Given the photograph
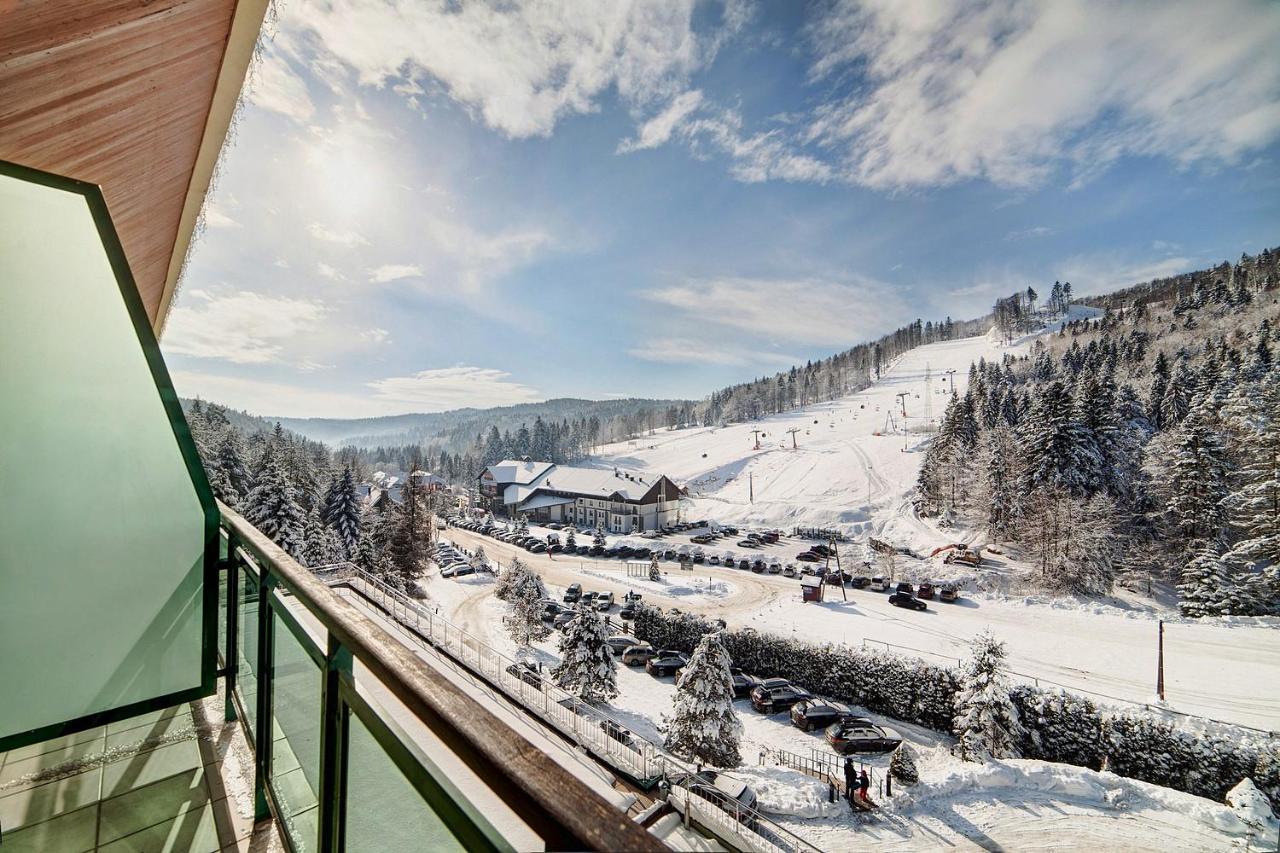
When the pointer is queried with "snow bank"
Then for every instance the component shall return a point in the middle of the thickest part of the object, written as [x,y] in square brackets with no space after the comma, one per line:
[1040,780]
[1252,806]
[789,792]
[671,585]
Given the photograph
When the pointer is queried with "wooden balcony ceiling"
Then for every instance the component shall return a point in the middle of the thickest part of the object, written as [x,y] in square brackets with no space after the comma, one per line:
[135,96]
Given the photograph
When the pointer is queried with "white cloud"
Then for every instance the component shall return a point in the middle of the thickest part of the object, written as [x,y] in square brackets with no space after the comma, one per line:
[243,327]
[375,336]
[521,67]
[699,350]
[1029,233]
[1101,273]
[345,238]
[215,218]
[453,388]
[657,130]
[807,311]
[277,87]
[1009,90]
[268,398]
[328,271]
[392,272]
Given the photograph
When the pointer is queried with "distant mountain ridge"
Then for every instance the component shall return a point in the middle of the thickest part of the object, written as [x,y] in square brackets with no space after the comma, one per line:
[456,427]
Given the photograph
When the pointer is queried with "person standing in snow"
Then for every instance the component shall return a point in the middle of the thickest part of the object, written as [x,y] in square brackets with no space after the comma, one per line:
[850,780]
[864,783]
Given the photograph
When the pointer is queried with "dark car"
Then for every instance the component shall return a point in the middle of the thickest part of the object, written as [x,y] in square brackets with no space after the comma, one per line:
[628,611]
[670,554]
[550,611]
[526,672]
[758,567]
[906,588]
[813,714]
[822,551]
[625,551]
[665,662]
[729,562]
[771,701]
[583,550]
[596,550]
[642,553]
[925,591]
[743,684]
[859,735]
[860,582]
[555,548]
[810,557]
[901,599]
[573,593]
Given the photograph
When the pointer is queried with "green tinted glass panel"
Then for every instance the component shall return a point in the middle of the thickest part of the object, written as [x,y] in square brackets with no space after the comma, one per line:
[385,812]
[102,529]
[247,644]
[295,757]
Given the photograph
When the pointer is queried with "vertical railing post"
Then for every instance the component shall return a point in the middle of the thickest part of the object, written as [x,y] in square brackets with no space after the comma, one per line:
[334,724]
[264,730]
[233,625]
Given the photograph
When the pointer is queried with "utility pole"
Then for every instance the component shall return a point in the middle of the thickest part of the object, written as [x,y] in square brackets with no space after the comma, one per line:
[928,396]
[1160,664]
[793,432]
[902,398]
[751,486]
[951,375]
[755,433]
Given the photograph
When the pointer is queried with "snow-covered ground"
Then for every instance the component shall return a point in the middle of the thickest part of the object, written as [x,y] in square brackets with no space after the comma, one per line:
[1006,805]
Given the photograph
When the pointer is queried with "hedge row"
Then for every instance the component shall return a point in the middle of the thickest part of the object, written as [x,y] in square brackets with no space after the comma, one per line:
[1061,727]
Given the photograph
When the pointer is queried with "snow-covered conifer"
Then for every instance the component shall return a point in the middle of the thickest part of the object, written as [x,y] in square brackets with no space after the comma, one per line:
[341,510]
[703,726]
[1205,584]
[570,539]
[598,538]
[902,765]
[523,618]
[273,508]
[587,668]
[654,574]
[986,722]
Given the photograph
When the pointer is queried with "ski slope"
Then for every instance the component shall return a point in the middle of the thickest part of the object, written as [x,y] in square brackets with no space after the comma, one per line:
[854,460]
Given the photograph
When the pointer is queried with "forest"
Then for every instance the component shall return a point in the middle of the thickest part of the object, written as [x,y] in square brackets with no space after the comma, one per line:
[1141,443]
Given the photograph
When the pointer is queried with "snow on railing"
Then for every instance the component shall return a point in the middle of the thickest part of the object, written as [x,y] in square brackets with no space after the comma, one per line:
[586,726]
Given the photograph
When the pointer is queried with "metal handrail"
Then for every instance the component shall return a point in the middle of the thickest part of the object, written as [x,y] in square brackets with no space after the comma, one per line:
[638,759]
[556,804]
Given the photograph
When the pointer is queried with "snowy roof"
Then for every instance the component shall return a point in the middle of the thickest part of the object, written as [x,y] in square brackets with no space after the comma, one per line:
[539,501]
[521,471]
[601,482]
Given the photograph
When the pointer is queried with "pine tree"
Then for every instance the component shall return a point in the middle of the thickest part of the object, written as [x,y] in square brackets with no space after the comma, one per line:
[570,539]
[986,723]
[1198,481]
[319,545]
[902,765]
[599,539]
[1000,477]
[341,511]
[523,618]
[229,477]
[1204,585]
[411,530]
[703,726]
[1254,502]
[654,574]
[587,668]
[273,508]
[1059,451]
[366,554]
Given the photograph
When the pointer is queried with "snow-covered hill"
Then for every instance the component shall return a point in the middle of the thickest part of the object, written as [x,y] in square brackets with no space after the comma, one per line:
[854,459]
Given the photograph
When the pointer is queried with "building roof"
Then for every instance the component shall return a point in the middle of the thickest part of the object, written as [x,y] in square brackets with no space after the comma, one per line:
[520,471]
[135,97]
[601,482]
[544,500]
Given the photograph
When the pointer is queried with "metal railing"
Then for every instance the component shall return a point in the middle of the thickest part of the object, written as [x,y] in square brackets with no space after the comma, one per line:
[555,804]
[586,726]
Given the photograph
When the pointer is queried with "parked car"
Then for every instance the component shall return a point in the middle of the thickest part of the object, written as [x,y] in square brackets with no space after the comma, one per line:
[860,735]
[757,566]
[619,643]
[584,550]
[713,560]
[811,714]
[588,599]
[774,569]
[596,550]
[880,584]
[628,611]
[638,654]
[925,591]
[743,683]
[823,551]
[555,525]
[949,592]
[860,581]
[731,795]
[665,662]
[526,672]
[573,593]
[729,562]
[604,601]
[748,543]
[906,588]
[563,619]
[771,701]
[550,610]
[901,599]
[789,570]
[810,557]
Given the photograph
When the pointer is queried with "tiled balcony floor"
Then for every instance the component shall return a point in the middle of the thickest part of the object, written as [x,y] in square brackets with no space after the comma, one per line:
[173,780]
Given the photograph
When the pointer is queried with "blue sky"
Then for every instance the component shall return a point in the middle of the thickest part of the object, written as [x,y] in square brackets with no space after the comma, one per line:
[432,205]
